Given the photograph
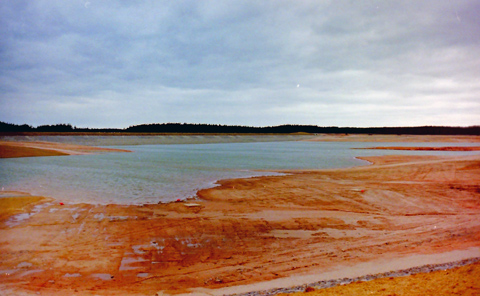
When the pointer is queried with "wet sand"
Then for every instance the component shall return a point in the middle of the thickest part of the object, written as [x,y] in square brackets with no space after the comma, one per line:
[268,230]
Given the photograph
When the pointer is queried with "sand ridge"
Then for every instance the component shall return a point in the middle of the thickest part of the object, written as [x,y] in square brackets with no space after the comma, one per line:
[13,149]
[395,138]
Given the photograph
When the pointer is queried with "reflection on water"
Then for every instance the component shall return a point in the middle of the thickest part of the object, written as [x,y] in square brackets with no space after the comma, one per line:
[163,173]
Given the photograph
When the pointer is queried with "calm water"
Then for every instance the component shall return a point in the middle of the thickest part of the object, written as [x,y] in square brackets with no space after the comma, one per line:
[154,173]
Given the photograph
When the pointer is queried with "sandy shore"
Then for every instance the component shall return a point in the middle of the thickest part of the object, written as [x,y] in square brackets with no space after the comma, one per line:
[11,149]
[448,148]
[395,138]
[269,230]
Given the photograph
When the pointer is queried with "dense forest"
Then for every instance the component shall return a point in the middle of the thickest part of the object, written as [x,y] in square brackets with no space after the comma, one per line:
[162,128]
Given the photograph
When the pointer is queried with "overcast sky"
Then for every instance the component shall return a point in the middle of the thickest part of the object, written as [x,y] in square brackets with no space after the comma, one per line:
[101,63]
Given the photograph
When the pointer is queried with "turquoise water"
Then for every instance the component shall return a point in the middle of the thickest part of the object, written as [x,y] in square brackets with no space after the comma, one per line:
[164,173]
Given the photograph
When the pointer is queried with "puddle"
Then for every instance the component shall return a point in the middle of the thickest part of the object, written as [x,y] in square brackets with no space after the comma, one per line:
[117,218]
[99,217]
[102,276]
[139,249]
[25,273]
[143,274]
[72,275]
[127,261]
[19,218]
[38,208]
[24,265]
[70,209]
[75,216]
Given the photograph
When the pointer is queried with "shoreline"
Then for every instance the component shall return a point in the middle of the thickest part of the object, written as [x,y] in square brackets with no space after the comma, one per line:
[313,137]
[408,206]
[396,138]
[450,148]
[16,149]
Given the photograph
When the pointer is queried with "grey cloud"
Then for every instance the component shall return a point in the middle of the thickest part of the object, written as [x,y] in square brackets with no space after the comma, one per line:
[239,62]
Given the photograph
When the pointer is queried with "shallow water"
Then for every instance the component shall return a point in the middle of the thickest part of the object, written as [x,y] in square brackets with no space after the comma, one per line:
[164,173]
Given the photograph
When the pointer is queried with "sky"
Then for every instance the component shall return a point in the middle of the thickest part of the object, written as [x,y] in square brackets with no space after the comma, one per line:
[113,64]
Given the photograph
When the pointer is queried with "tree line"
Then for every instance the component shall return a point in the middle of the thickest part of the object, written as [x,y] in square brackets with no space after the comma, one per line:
[191,128]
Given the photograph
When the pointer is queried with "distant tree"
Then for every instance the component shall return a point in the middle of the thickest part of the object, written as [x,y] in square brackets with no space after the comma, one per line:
[9,127]
[55,128]
[216,128]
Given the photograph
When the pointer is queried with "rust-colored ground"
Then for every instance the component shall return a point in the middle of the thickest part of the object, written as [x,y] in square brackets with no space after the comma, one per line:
[245,231]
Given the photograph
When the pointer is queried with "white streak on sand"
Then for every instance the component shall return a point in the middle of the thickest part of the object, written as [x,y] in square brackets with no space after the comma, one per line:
[346,271]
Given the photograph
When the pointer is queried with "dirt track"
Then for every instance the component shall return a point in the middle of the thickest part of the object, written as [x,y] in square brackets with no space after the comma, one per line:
[246,231]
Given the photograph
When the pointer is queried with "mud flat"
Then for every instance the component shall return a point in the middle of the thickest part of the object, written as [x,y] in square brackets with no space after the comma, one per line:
[266,230]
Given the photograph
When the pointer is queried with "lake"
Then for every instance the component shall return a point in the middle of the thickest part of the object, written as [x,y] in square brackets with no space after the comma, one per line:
[167,172]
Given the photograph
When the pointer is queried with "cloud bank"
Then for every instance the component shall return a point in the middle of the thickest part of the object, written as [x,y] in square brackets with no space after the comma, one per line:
[345,63]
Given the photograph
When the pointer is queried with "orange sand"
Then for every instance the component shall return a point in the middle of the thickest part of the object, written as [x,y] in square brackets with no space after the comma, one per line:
[10,149]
